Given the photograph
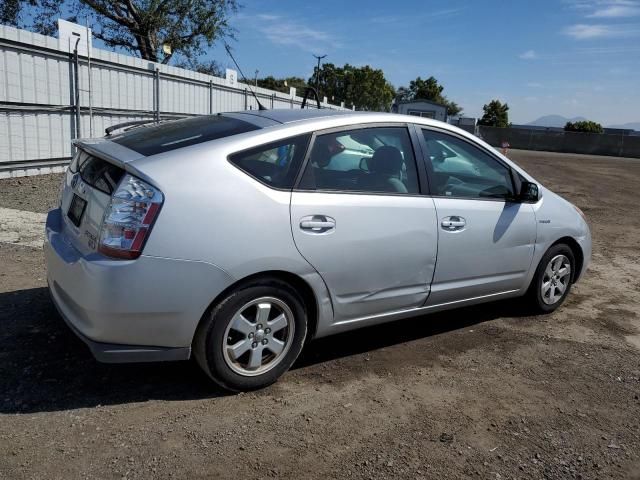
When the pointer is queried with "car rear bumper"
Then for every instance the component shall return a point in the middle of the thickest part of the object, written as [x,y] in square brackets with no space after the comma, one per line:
[117,353]
[129,310]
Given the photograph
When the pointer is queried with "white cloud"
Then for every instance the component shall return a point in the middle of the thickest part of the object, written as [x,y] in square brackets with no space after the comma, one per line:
[434,14]
[583,31]
[268,17]
[618,71]
[293,33]
[282,30]
[617,11]
[528,55]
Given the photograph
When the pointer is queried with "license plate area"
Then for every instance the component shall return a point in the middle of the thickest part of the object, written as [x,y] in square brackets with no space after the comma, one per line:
[76,210]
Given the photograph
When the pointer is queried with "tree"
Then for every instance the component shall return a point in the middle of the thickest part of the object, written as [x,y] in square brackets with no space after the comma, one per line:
[365,88]
[453,108]
[496,114]
[428,89]
[143,27]
[586,126]
[210,67]
[283,84]
[43,20]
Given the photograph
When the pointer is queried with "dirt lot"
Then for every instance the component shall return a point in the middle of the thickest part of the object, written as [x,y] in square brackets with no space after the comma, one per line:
[481,392]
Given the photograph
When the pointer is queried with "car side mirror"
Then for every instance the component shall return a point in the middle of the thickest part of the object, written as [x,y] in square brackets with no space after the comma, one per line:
[529,192]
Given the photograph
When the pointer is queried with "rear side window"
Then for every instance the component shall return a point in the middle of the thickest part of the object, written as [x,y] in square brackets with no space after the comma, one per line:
[150,140]
[371,160]
[275,164]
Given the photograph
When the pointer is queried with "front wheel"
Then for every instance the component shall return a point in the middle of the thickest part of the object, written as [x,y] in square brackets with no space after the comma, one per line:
[252,336]
[553,279]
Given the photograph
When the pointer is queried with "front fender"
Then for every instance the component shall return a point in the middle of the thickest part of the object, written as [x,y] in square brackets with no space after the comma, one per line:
[557,218]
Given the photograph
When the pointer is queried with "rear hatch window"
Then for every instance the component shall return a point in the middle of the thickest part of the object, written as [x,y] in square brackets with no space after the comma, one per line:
[151,140]
[96,172]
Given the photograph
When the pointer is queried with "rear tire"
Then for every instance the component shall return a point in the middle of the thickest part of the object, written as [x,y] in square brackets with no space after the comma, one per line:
[253,336]
[553,279]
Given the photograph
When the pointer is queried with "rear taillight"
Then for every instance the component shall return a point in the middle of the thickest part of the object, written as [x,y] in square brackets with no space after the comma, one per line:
[128,219]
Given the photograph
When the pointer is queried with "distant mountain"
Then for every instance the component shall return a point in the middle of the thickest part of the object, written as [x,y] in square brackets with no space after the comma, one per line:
[554,121]
[631,125]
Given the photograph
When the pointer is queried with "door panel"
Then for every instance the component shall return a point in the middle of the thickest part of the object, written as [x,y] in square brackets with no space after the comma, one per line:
[485,240]
[484,247]
[376,253]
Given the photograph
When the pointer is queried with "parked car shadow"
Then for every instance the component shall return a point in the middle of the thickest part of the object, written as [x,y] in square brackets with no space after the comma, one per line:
[45,367]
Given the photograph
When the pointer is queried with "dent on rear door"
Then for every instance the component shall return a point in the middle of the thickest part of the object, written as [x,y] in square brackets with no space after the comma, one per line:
[378,256]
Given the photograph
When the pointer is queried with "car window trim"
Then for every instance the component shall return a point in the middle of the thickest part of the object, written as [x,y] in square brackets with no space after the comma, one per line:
[260,180]
[424,170]
[422,185]
[429,168]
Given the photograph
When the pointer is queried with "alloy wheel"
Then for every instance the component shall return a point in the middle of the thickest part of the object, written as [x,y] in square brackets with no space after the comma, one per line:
[555,280]
[258,336]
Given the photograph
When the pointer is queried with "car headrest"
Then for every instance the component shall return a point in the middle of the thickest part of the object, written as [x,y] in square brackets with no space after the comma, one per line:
[321,155]
[386,159]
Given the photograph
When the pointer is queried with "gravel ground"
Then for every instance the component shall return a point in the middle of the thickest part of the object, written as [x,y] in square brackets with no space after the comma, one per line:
[482,392]
[34,194]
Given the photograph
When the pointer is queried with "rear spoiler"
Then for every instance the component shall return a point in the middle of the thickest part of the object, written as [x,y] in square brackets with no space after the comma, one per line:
[108,150]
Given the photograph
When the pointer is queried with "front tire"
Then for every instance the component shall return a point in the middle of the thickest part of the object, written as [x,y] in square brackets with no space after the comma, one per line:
[553,279]
[253,336]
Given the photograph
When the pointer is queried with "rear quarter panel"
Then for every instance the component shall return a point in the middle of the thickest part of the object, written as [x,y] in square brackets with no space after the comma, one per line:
[215,213]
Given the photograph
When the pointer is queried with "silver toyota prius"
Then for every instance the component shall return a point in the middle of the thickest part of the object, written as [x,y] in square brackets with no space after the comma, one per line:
[239,236]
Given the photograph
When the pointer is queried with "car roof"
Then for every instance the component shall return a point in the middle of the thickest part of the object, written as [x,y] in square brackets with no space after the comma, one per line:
[287,115]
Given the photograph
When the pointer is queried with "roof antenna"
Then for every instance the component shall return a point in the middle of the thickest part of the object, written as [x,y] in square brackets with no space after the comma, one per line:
[228,49]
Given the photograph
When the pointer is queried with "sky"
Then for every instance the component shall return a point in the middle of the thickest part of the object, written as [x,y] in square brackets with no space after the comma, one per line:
[566,57]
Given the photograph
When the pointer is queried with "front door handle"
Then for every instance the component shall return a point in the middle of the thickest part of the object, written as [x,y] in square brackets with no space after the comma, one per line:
[453,223]
[317,224]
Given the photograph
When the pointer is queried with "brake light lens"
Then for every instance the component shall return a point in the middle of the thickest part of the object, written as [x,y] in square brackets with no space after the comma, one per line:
[129,217]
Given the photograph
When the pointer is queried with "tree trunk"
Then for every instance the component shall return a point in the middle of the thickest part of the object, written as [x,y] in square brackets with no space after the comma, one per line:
[145,48]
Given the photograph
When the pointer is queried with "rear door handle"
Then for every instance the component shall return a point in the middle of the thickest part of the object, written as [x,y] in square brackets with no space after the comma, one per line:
[453,223]
[317,224]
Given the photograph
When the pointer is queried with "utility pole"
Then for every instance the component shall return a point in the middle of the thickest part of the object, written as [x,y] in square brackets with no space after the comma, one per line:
[256,78]
[319,57]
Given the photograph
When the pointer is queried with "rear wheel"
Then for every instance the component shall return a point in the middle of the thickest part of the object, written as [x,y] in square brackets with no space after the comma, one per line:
[252,336]
[553,279]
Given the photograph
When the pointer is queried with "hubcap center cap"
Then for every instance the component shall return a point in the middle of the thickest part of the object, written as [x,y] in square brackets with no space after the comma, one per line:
[259,335]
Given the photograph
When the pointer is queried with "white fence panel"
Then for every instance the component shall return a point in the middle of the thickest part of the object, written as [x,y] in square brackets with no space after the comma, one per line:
[37,96]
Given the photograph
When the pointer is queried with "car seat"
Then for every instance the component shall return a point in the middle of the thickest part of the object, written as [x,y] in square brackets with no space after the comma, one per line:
[385,168]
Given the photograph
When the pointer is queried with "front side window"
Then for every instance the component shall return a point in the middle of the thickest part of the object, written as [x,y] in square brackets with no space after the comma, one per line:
[459,169]
[376,160]
[275,164]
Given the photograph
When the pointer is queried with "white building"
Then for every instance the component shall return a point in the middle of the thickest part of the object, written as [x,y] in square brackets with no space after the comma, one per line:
[421,108]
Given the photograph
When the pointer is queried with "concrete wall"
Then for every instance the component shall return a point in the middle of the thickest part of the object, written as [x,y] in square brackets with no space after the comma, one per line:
[37,100]
[566,142]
